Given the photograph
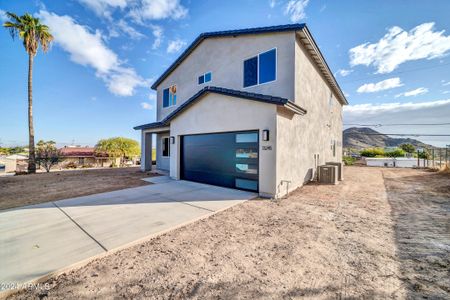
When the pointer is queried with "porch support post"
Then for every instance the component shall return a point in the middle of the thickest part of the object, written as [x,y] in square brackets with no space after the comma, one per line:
[146,151]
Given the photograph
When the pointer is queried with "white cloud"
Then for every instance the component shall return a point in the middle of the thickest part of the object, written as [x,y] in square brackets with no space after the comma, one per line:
[129,30]
[152,96]
[157,32]
[399,46]
[272,3]
[175,46]
[124,81]
[446,92]
[3,16]
[418,91]
[445,83]
[380,86]
[88,49]
[296,9]
[104,8]
[370,108]
[146,106]
[158,10]
[344,72]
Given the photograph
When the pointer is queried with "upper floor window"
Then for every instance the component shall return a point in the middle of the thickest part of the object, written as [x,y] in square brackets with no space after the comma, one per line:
[170,96]
[204,78]
[261,68]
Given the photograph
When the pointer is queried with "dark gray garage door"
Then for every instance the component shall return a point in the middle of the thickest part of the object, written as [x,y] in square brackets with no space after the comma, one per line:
[226,159]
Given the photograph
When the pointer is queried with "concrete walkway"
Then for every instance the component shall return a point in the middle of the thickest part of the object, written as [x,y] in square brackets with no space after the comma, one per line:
[39,239]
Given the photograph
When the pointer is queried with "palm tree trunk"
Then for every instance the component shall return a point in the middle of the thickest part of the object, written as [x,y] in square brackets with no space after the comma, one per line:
[32,154]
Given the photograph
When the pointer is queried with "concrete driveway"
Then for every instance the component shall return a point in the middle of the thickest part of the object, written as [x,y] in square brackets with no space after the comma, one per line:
[39,239]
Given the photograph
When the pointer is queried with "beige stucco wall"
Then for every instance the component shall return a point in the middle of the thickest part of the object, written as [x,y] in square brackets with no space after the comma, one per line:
[10,164]
[218,113]
[224,58]
[299,138]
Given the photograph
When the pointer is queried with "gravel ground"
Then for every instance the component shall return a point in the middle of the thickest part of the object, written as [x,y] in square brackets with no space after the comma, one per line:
[344,241]
[23,190]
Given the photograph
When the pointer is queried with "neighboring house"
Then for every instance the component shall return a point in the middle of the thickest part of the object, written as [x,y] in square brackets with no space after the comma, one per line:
[254,109]
[7,164]
[85,156]
[13,163]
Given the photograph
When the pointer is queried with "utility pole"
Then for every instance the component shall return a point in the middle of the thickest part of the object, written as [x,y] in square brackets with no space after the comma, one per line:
[446,154]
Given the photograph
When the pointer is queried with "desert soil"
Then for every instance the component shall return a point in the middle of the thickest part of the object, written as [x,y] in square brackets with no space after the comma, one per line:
[382,233]
[23,190]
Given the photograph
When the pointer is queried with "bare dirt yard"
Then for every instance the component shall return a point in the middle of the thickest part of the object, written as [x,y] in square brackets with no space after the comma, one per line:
[23,190]
[382,233]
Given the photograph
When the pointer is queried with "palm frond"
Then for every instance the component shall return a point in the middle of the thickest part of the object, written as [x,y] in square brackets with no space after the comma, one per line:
[14,17]
[31,31]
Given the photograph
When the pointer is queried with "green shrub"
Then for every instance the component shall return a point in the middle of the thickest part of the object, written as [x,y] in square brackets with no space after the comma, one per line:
[348,160]
[372,152]
[396,153]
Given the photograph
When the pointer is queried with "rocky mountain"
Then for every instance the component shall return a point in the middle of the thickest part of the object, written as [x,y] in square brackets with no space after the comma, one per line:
[362,137]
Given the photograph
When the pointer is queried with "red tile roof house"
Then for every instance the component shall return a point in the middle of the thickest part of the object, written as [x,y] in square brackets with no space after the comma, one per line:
[85,157]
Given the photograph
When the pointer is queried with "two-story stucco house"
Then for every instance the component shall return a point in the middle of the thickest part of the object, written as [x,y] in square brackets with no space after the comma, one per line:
[254,109]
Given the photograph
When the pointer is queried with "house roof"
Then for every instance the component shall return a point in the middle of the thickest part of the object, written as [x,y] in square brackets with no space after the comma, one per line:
[17,157]
[228,92]
[306,38]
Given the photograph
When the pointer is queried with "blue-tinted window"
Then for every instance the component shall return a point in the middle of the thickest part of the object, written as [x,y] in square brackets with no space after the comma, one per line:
[170,96]
[246,184]
[246,137]
[251,71]
[208,77]
[247,168]
[201,79]
[246,153]
[267,66]
[166,98]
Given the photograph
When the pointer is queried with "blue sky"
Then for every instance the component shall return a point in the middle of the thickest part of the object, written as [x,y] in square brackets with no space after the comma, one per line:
[391,58]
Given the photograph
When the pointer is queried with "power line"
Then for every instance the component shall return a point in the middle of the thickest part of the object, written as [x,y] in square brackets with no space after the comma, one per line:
[399,124]
[405,134]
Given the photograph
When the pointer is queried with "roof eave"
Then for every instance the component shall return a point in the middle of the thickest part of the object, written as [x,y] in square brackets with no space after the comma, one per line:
[321,63]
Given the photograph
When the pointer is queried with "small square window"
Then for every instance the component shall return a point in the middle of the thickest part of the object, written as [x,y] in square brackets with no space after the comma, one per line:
[208,77]
[201,79]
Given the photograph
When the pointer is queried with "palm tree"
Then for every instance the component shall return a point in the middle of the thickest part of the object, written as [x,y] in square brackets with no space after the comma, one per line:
[33,34]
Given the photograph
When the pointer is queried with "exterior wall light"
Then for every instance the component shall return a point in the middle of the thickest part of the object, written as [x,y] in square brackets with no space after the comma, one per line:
[172,140]
[265,135]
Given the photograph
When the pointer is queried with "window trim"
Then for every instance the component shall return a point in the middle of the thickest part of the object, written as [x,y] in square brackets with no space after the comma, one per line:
[170,105]
[257,71]
[162,146]
[204,82]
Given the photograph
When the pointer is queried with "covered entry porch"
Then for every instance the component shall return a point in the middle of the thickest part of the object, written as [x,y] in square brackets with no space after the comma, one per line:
[157,138]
